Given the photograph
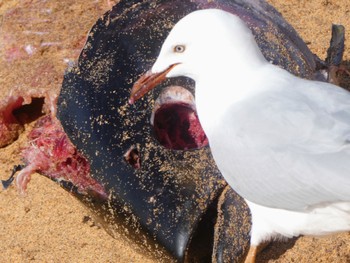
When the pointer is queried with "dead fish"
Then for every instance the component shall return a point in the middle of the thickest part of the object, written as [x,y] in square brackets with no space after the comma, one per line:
[156,180]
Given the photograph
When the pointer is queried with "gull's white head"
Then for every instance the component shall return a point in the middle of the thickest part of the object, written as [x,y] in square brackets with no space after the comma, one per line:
[200,40]
[204,42]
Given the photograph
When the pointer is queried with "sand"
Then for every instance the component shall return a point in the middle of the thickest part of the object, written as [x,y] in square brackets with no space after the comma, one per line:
[48,224]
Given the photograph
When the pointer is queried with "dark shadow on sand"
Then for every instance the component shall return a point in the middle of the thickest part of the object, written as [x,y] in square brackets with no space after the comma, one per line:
[274,250]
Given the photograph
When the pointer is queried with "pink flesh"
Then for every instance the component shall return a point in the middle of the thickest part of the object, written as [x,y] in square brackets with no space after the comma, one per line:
[16,111]
[52,154]
[177,127]
[10,128]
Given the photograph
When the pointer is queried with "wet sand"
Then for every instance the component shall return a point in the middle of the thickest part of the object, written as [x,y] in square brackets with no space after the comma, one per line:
[48,224]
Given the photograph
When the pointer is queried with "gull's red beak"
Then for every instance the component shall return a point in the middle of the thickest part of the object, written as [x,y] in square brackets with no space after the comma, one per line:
[147,82]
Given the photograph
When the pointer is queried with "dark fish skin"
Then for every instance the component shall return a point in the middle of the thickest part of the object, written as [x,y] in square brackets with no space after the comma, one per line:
[336,48]
[226,242]
[167,200]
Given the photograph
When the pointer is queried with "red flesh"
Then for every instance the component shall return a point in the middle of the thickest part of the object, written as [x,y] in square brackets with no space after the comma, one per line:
[176,126]
[52,154]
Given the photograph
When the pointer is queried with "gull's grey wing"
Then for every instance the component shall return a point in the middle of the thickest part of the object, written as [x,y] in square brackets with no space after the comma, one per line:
[291,144]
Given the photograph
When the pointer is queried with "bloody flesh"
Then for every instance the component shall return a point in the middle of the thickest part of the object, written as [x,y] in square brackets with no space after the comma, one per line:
[177,127]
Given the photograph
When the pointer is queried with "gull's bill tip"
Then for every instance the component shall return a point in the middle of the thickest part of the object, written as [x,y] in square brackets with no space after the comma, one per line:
[147,82]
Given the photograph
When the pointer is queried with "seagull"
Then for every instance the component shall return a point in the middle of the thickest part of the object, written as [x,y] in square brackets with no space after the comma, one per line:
[281,142]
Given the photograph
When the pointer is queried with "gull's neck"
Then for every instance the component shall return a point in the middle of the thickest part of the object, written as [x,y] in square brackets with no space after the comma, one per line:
[222,86]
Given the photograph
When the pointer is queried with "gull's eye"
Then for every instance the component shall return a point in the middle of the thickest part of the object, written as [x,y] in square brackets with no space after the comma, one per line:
[179,48]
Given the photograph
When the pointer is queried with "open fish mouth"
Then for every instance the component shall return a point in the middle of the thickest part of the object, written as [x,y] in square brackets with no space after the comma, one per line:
[175,121]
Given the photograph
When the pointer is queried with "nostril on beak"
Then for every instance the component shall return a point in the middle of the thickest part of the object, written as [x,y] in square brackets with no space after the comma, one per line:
[132,157]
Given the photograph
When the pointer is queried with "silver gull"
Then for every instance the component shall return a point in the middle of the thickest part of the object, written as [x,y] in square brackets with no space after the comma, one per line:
[281,142]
